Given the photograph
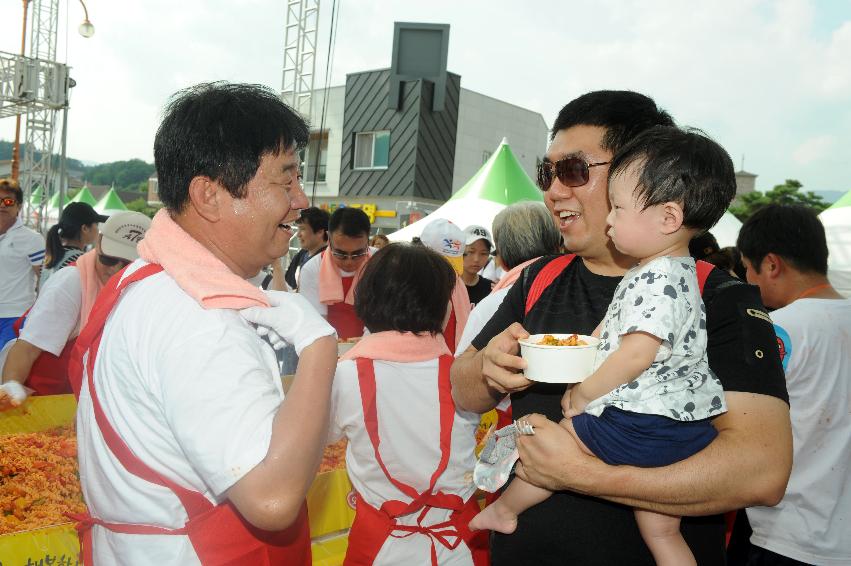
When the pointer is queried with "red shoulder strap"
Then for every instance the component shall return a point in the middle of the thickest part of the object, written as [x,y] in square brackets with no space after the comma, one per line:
[193,502]
[704,268]
[366,382]
[545,277]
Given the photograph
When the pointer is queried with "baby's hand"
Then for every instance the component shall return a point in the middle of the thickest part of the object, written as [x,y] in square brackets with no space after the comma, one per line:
[574,402]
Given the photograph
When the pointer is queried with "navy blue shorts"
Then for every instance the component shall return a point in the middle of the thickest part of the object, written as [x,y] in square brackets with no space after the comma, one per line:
[619,437]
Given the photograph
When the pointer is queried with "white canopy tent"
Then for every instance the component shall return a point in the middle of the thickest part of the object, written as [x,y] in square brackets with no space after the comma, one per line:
[501,181]
[837,228]
[727,230]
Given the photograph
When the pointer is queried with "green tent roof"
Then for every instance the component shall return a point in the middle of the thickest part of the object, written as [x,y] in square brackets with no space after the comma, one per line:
[53,203]
[844,201]
[85,195]
[110,201]
[35,197]
[501,179]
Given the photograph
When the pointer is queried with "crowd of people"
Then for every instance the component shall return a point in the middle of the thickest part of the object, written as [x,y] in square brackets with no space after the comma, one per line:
[703,399]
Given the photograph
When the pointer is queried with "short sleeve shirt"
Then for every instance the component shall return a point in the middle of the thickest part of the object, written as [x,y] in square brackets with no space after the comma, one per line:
[21,249]
[661,298]
[55,317]
[742,352]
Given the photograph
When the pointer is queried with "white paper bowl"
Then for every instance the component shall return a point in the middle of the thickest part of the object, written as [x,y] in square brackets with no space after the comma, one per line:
[558,364]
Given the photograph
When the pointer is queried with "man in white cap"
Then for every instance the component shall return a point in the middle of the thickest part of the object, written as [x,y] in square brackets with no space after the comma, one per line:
[47,333]
[447,239]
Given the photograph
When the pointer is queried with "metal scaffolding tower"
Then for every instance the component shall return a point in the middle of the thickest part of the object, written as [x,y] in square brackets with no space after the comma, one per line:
[41,119]
[300,54]
[38,87]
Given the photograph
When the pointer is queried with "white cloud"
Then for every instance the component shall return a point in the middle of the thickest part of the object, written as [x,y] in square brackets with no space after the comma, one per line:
[813,149]
[757,76]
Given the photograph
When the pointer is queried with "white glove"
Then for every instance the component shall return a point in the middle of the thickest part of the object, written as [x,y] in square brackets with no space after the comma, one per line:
[13,394]
[290,318]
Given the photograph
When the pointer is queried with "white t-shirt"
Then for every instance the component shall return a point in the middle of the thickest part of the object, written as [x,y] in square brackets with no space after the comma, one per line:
[479,316]
[662,298]
[69,255]
[21,250]
[55,317]
[409,428]
[193,393]
[491,271]
[812,523]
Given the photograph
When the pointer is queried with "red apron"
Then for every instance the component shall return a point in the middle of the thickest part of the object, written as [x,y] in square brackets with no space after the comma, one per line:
[219,535]
[449,331]
[342,315]
[49,373]
[372,527]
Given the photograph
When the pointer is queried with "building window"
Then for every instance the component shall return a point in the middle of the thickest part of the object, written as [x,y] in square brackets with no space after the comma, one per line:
[314,157]
[372,150]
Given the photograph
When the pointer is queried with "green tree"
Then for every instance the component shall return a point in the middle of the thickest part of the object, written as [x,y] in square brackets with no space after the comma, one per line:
[787,193]
[141,205]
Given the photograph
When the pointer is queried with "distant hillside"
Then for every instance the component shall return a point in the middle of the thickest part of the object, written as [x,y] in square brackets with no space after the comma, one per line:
[129,175]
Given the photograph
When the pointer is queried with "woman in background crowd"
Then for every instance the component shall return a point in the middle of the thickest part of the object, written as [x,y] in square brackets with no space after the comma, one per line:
[67,239]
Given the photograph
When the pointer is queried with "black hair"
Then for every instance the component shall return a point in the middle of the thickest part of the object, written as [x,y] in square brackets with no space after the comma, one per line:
[54,249]
[703,245]
[13,187]
[793,232]
[70,227]
[405,288]
[316,218]
[683,166]
[736,258]
[623,113]
[222,131]
[352,222]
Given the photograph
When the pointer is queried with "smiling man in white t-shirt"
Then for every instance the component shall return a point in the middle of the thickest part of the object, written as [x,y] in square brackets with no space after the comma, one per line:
[174,365]
[21,257]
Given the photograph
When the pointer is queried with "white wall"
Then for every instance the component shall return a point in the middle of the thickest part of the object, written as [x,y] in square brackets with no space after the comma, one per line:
[483,122]
[334,126]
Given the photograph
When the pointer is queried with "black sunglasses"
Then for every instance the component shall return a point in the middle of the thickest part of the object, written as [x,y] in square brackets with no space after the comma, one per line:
[571,172]
[109,261]
[349,255]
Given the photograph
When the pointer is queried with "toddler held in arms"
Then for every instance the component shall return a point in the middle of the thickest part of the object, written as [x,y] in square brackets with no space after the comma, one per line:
[651,396]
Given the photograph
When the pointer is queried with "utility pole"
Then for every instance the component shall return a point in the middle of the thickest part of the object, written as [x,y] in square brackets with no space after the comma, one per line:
[16,148]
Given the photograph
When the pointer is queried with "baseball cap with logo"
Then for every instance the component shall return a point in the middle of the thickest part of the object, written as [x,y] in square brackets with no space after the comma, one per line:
[122,232]
[476,232]
[447,239]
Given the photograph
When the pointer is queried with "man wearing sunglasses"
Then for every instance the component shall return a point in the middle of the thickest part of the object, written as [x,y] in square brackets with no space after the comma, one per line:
[39,357]
[21,258]
[328,280]
[747,464]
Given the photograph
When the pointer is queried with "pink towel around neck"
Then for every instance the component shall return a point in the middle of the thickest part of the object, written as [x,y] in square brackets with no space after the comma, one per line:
[460,300]
[331,281]
[203,276]
[393,346]
[90,282]
[513,275]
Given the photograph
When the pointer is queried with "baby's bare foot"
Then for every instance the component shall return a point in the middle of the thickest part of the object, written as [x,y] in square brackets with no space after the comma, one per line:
[495,517]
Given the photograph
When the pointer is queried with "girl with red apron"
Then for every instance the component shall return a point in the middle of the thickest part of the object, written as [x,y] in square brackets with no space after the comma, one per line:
[447,495]
[219,535]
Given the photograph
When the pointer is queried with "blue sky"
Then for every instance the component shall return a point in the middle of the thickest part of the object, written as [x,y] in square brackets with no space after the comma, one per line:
[770,80]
